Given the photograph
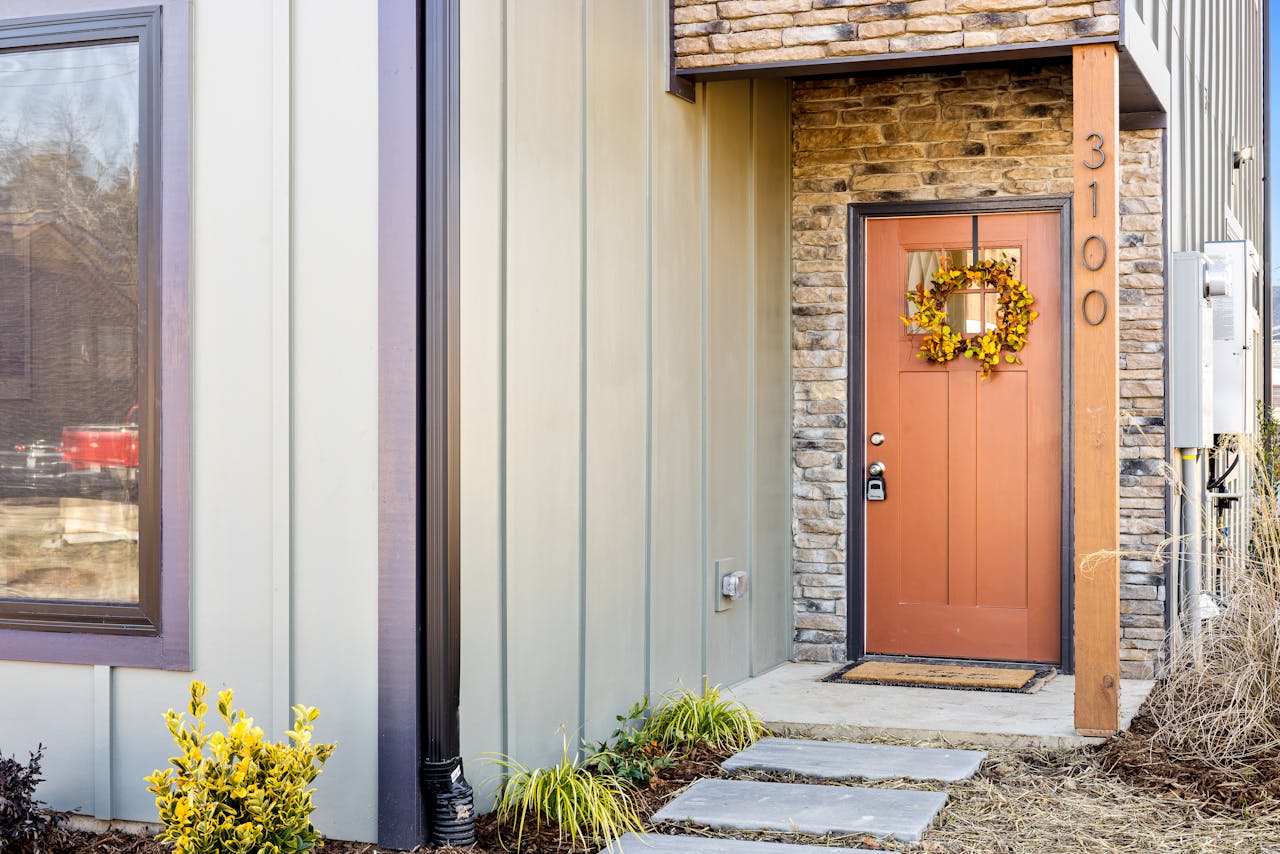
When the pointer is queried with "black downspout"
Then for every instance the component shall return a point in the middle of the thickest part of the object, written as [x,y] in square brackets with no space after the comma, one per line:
[449,803]
[1267,297]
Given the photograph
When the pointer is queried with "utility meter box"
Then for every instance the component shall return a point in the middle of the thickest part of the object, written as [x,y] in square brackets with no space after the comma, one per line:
[1236,336]
[1191,279]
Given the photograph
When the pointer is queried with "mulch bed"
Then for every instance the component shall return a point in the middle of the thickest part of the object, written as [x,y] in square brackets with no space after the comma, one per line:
[116,842]
[700,763]
[1251,789]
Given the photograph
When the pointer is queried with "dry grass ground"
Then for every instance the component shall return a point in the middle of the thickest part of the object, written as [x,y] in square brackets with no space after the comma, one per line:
[1043,802]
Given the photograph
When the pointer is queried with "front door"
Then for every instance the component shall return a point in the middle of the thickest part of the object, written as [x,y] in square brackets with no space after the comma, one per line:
[963,555]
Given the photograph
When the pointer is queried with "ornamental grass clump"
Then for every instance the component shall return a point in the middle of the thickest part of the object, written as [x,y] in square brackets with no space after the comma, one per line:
[1211,727]
[236,792]
[585,810]
[685,720]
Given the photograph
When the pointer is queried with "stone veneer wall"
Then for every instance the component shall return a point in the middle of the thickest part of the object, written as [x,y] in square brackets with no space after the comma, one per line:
[1143,472]
[735,32]
[949,135]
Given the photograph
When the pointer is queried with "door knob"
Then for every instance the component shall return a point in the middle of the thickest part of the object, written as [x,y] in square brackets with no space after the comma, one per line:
[876,469]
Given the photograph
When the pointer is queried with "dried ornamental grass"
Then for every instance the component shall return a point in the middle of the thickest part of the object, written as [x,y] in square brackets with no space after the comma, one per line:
[1211,728]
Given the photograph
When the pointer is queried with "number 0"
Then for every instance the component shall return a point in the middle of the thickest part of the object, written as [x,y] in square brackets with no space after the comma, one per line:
[1102,155]
[1084,250]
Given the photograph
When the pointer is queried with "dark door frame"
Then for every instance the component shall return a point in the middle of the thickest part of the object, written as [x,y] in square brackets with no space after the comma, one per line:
[855,520]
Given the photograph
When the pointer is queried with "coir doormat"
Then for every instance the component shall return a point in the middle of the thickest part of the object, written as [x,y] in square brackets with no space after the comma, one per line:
[956,676]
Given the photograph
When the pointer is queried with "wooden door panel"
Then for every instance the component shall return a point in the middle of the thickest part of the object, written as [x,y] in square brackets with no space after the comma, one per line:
[917,582]
[962,559]
[1000,486]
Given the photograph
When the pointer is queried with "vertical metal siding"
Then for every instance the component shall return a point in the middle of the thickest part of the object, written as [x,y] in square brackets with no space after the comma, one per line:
[638,376]
[1213,49]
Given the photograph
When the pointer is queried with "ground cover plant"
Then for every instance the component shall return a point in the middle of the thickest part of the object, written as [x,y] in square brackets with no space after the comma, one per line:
[631,753]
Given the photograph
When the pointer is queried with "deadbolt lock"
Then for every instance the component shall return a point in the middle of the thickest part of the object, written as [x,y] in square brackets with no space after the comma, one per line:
[875,482]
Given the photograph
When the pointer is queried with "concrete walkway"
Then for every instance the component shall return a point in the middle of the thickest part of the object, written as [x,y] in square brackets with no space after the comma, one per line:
[807,808]
[792,701]
[844,760]
[643,843]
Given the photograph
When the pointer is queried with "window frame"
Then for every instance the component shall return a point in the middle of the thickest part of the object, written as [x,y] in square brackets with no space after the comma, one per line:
[155,631]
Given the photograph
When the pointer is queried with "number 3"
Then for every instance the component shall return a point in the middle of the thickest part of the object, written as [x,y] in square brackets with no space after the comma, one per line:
[1102,155]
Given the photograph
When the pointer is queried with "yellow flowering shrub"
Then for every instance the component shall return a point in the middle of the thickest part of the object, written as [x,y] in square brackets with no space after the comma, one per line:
[236,792]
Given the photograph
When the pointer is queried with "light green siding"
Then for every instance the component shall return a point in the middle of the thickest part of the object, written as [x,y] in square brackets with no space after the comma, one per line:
[284,421]
[625,373]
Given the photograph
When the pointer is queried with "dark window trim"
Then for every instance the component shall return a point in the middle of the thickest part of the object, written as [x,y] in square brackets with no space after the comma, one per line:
[156,631]
[855,527]
[402,821]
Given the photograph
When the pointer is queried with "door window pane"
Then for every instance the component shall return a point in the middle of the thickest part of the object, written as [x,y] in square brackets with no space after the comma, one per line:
[920,269]
[69,323]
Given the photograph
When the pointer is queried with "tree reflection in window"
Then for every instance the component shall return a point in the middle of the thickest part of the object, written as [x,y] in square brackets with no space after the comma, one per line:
[69,323]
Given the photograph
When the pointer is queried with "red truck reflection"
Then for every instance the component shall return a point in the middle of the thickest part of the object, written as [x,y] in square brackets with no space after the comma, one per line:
[91,460]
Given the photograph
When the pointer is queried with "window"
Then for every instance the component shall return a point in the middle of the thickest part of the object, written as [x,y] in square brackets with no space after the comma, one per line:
[970,312]
[82,309]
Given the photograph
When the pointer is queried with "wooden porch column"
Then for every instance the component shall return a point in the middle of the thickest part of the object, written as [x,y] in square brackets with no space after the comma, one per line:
[1095,309]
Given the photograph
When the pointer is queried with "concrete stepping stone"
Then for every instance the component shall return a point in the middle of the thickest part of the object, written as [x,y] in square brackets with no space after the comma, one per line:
[805,808]
[838,760]
[641,843]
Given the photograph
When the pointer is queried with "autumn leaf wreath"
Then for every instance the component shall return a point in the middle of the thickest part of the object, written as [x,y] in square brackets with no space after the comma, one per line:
[940,342]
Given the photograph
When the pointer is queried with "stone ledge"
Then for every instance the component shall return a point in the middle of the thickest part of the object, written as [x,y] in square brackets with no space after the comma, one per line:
[842,28]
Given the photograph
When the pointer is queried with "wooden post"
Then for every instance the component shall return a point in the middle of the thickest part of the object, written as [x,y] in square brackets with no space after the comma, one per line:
[1095,309]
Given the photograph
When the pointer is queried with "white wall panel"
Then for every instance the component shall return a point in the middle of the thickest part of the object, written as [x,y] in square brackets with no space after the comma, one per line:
[335,400]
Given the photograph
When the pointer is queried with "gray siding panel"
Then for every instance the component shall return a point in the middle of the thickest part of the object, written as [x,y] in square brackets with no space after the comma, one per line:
[1213,49]
[616,365]
[728,340]
[771,510]
[544,375]
[634,246]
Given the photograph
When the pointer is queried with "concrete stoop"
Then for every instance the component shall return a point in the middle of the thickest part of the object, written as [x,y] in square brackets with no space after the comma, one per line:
[812,809]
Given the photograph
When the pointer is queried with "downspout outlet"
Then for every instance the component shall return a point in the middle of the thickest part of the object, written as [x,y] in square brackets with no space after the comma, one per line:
[451,810]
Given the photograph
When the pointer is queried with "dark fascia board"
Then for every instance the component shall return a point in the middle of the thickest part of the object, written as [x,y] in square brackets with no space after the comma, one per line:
[1144,121]
[681,87]
[846,66]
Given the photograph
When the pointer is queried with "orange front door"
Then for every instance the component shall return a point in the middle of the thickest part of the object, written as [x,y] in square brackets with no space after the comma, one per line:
[963,555]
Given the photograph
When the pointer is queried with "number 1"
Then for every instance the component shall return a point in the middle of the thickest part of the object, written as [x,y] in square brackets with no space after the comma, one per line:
[1093,185]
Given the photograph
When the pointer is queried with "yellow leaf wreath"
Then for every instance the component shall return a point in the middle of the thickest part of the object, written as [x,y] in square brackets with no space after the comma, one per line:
[1014,316]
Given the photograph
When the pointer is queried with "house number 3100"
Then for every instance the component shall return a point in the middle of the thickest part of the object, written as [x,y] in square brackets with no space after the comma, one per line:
[1093,261]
